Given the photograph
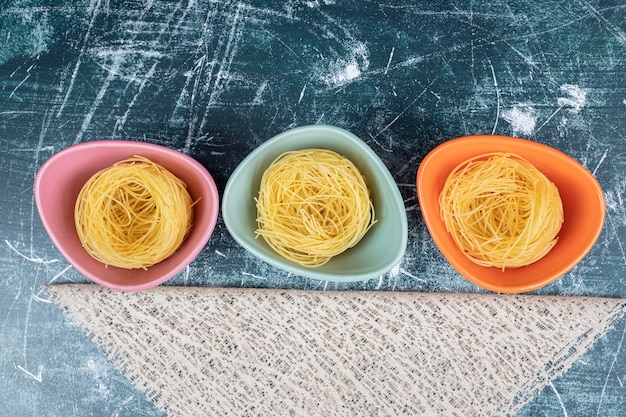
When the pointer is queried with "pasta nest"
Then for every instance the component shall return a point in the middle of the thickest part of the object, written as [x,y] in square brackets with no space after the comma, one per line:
[501,210]
[312,205]
[133,214]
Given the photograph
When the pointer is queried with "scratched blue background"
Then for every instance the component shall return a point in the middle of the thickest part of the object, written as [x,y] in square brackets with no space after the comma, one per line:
[215,79]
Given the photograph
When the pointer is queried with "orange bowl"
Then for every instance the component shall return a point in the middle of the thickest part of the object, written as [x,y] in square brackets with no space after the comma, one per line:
[581,194]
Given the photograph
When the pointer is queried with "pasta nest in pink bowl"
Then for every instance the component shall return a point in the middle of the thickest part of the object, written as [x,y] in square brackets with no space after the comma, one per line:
[62,177]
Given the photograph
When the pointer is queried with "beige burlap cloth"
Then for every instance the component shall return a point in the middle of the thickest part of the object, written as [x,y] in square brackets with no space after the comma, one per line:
[252,352]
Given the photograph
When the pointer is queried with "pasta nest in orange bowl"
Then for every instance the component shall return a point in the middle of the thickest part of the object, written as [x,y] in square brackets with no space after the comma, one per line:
[509,214]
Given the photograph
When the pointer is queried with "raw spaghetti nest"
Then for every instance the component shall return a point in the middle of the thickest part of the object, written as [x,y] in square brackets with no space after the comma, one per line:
[313,204]
[501,210]
[133,214]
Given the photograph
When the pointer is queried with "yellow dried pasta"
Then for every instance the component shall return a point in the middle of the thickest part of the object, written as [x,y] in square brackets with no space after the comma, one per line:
[501,210]
[313,204]
[133,214]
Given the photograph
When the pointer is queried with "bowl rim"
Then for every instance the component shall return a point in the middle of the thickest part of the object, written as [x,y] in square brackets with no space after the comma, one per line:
[310,272]
[136,146]
[498,142]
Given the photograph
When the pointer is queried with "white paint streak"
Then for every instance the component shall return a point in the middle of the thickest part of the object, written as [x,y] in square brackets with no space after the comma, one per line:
[253,275]
[54,278]
[317,3]
[395,119]
[301,94]
[548,119]
[41,300]
[528,60]
[19,85]
[122,405]
[352,71]
[94,7]
[395,271]
[112,53]
[197,71]
[613,228]
[259,94]
[617,32]
[349,67]
[498,96]
[342,74]
[230,50]
[380,282]
[15,114]
[70,87]
[19,291]
[187,269]
[558,397]
[600,162]
[149,75]
[408,274]
[227,45]
[220,254]
[38,377]
[389,61]
[29,258]
[96,103]
[45,125]
[608,374]
[184,93]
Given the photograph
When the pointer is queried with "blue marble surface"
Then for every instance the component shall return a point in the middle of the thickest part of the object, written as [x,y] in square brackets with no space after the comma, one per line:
[215,79]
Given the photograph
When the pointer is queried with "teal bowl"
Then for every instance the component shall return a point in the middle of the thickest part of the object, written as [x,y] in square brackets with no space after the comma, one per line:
[380,249]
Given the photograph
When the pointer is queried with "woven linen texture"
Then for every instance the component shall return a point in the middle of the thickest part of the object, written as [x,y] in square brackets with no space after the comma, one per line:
[256,352]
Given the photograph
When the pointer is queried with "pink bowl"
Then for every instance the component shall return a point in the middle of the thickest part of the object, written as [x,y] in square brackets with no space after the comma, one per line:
[60,179]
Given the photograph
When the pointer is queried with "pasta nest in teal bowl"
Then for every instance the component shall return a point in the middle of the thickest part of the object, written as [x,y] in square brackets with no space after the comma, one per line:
[379,248]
